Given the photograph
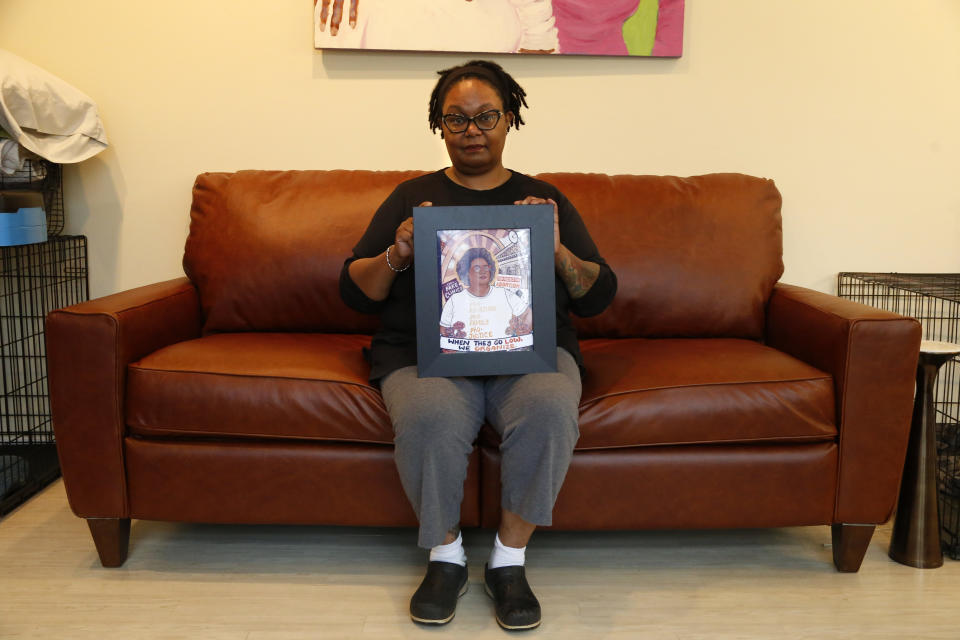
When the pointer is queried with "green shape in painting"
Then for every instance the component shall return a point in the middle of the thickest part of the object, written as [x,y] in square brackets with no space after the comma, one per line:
[640,29]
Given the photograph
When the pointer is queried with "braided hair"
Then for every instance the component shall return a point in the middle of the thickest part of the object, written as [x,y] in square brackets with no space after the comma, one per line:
[511,93]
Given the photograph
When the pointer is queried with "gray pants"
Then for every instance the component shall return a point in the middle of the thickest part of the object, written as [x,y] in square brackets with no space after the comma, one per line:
[436,421]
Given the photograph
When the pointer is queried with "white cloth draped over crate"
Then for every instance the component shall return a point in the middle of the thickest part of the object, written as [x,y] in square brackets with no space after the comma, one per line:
[46,115]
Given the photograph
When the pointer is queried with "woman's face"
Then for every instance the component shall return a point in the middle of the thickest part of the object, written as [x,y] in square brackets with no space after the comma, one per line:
[479,272]
[475,152]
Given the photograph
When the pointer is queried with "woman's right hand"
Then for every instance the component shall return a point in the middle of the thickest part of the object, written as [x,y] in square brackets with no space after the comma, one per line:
[403,238]
[403,242]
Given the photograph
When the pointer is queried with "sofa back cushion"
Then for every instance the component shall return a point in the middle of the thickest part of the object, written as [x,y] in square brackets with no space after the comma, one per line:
[694,257]
[266,247]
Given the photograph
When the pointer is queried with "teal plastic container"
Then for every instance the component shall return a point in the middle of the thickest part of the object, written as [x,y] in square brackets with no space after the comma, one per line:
[22,218]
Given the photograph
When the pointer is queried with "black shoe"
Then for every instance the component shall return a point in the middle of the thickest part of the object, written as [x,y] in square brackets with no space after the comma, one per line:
[514,603]
[435,601]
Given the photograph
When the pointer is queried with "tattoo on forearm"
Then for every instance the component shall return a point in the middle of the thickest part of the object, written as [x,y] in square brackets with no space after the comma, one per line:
[578,275]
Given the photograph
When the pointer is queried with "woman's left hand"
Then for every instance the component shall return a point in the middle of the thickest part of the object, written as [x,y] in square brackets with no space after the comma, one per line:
[556,217]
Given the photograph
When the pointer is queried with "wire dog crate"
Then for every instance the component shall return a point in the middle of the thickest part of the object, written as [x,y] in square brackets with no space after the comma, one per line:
[934,300]
[34,280]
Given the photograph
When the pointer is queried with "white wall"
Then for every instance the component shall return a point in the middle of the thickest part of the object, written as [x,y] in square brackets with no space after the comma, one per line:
[853,107]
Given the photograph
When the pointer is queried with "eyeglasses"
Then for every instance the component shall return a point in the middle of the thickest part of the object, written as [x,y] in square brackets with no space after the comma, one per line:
[458,123]
[480,267]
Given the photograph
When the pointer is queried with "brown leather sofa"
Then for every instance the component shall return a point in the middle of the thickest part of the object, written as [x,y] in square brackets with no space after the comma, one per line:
[714,396]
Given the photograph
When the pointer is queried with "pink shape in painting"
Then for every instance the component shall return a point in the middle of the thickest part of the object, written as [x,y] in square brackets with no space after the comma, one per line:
[669,39]
[596,27]
[588,26]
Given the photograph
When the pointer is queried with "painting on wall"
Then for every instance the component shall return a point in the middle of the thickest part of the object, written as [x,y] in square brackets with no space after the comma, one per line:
[564,27]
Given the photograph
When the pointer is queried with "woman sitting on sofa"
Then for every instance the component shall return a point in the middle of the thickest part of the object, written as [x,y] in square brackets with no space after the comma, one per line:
[436,420]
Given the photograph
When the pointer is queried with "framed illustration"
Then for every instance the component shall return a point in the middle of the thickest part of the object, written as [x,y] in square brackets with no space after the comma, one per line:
[485,287]
[574,27]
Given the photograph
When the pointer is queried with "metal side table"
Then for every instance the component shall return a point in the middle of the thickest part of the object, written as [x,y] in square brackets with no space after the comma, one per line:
[916,530]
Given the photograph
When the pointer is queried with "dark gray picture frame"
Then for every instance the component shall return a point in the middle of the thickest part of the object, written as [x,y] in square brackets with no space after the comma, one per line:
[431,361]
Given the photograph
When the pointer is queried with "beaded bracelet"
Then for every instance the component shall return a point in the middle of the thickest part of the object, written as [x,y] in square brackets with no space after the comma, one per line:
[389,264]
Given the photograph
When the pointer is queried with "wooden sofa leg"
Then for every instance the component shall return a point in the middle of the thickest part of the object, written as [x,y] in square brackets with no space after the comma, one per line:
[112,538]
[850,542]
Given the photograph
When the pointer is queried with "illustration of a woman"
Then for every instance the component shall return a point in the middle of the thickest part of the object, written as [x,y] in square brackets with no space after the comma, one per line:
[482,310]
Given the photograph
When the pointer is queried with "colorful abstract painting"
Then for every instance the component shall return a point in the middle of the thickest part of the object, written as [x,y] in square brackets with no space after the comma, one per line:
[564,27]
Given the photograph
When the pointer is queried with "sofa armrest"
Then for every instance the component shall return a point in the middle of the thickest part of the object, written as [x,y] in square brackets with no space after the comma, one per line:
[872,356]
[89,346]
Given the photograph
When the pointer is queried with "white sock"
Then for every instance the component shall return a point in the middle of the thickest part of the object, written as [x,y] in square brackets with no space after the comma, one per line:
[504,556]
[452,552]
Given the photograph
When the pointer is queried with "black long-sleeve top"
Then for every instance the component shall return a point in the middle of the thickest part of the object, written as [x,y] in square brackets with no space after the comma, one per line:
[395,344]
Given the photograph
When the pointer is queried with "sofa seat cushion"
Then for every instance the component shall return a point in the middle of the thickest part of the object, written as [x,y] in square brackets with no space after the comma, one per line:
[640,392]
[258,385]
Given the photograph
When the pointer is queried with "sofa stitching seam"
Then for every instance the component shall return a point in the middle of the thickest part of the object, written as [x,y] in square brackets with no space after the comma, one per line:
[613,447]
[251,375]
[705,384]
[111,314]
[245,436]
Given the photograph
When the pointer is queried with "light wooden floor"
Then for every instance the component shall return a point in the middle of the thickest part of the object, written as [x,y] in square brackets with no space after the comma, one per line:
[281,583]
